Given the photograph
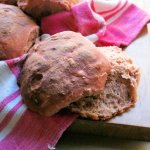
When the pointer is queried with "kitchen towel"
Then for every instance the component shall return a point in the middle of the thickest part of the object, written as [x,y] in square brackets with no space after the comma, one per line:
[105,22]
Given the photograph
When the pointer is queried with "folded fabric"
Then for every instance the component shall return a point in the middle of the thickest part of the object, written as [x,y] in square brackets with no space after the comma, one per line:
[123,21]
[112,22]
[80,18]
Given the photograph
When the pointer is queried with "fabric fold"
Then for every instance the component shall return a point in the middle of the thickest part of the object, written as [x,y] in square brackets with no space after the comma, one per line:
[104,23]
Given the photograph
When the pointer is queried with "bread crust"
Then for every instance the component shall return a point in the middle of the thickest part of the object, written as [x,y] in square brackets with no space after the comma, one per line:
[120,92]
[61,70]
[17,32]
[40,8]
[10,2]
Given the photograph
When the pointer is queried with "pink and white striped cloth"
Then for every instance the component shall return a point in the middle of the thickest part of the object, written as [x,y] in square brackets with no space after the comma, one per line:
[21,129]
[106,22]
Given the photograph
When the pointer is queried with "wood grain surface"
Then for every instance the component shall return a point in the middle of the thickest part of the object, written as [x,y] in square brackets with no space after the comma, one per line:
[134,124]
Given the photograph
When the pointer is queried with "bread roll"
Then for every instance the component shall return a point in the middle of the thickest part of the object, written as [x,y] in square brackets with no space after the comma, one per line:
[17,32]
[41,8]
[61,70]
[120,92]
[10,2]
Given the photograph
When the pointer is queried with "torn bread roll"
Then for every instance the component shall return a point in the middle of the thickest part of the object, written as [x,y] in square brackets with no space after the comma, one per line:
[120,92]
[17,32]
[61,70]
[40,8]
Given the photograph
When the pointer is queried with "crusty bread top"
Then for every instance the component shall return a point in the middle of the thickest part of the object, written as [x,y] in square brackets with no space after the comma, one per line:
[17,32]
[40,8]
[122,63]
[62,70]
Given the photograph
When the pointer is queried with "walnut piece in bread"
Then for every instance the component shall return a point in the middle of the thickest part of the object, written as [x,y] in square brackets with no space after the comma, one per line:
[61,70]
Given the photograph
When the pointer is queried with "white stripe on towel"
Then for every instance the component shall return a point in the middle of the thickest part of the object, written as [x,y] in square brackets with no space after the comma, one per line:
[8,83]
[12,122]
[8,107]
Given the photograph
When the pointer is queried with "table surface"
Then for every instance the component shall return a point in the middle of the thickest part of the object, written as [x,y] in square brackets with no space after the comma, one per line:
[75,141]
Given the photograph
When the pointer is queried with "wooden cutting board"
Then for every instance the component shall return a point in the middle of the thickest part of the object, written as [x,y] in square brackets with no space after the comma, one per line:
[134,124]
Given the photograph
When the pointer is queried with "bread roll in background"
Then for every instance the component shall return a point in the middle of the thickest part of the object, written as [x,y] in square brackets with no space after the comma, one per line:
[17,32]
[10,2]
[60,70]
[40,8]
[120,92]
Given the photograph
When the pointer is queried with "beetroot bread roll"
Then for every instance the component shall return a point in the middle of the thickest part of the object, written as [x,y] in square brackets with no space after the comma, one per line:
[17,32]
[120,92]
[61,70]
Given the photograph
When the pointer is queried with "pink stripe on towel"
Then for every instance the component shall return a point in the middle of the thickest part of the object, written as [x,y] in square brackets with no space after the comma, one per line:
[9,99]
[124,30]
[117,11]
[110,10]
[35,132]
[13,67]
[9,115]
